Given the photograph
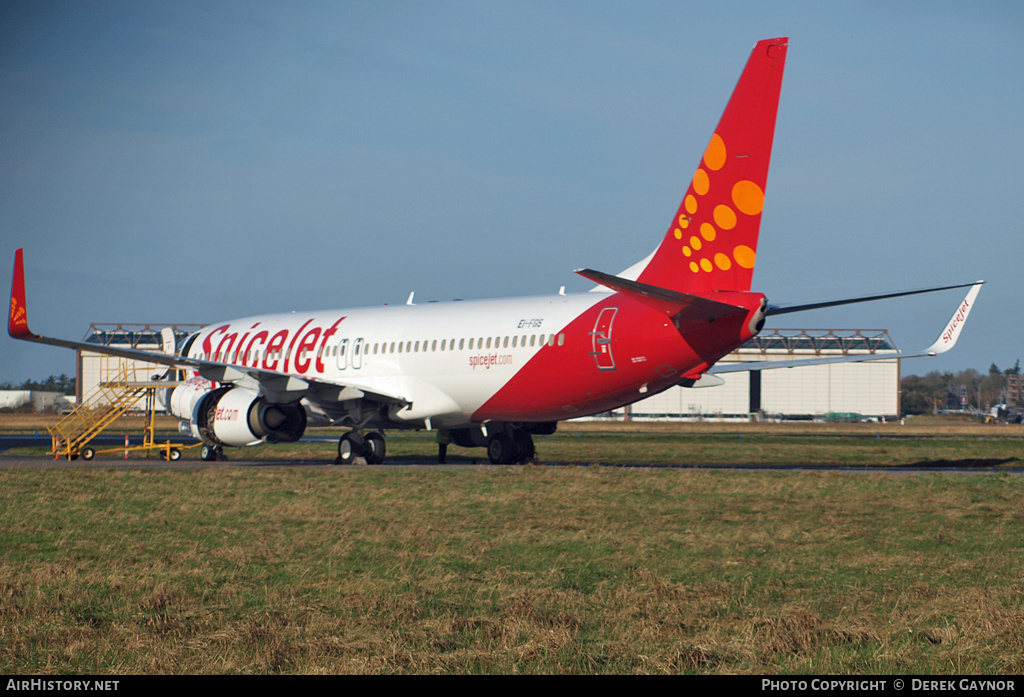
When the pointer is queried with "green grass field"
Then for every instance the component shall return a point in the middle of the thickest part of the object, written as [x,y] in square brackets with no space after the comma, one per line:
[535,569]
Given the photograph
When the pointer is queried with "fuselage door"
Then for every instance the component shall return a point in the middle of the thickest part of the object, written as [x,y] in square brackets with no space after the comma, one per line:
[357,354]
[601,339]
[343,354]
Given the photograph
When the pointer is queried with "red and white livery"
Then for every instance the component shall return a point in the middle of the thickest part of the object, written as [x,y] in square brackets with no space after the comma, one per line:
[492,373]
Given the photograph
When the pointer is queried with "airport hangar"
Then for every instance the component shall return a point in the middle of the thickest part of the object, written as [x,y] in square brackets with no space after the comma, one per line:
[869,390]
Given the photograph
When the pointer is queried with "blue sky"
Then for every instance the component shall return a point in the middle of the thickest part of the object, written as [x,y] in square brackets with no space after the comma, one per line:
[182,161]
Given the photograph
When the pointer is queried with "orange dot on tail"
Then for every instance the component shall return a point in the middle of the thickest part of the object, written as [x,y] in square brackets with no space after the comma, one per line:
[744,256]
[722,262]
[748,197]
[714,156]
[701,183]
[707,231]
[725,218]
[690,203]
[705,264]
[694,267]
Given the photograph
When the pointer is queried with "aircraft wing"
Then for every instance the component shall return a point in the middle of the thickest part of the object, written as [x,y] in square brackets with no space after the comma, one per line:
[277,386]
[786,309]
[946,340]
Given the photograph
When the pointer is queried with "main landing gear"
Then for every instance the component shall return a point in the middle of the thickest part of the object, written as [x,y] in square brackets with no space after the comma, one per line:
[509,448]
[506,444]
[369,446]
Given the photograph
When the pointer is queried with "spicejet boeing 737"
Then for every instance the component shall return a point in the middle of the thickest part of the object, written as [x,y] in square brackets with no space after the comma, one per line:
[494,372]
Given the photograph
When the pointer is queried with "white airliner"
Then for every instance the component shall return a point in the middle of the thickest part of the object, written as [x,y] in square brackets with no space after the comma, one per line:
[492,373]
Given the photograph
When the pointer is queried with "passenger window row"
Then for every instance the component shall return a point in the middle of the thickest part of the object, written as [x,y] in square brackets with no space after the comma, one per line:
[383,348]
[478,344]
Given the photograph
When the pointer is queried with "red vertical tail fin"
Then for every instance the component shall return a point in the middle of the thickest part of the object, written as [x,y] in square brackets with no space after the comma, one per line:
[712,241]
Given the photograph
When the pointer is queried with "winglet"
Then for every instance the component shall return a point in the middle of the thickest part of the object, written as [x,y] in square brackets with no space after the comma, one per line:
[947,339]
[17,321]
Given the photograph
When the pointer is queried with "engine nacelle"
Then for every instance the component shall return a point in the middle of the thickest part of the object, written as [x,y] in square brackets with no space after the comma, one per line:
[234,415]
[185,397]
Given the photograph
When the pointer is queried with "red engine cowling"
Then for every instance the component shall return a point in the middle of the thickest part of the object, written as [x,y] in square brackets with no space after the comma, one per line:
[234,415]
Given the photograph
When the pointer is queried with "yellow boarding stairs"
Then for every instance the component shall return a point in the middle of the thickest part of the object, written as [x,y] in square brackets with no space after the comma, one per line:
[71,435]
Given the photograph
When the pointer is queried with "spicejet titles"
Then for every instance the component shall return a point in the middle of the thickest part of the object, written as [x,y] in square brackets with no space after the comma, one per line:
[958,319]
[234,349]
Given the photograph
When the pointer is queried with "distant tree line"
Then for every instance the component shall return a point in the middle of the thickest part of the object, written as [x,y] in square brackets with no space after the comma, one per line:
[925,394]
[55,383]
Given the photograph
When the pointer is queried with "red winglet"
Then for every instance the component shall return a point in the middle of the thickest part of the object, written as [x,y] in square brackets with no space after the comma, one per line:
[17,321]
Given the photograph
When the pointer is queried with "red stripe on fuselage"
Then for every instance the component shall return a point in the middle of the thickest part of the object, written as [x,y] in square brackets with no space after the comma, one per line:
[649,351]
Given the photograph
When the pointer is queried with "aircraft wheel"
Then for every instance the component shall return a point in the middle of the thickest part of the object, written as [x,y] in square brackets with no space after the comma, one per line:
[348,449]
[500,450]
[524,450]
[375,448]
[88,453]
[210,453]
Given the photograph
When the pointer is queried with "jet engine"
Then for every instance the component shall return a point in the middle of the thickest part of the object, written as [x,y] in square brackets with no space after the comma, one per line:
[234,415]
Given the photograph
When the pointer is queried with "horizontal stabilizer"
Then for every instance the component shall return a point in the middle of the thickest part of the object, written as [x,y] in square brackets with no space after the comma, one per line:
[682,306]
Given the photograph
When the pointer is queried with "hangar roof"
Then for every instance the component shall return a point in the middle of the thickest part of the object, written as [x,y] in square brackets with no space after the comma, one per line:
[136,335]
[817,341]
